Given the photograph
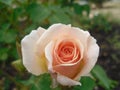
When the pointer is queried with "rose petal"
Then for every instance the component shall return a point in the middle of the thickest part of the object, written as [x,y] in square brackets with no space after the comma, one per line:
[51,34]
[91,57]
[48,54]
[28,45]
[81,35]
[79,52]
[65,81]
[59,30]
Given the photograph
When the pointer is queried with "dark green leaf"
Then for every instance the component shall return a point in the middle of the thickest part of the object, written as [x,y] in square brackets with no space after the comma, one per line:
[87,84]
[7,36]
[5,26]
[80,8]
[42,82]
[18,12]
[3,54]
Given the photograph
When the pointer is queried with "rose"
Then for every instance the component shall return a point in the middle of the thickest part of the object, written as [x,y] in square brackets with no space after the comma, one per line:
[64,51]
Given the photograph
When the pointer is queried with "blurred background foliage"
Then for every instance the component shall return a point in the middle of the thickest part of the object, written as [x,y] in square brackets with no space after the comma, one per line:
[19,17]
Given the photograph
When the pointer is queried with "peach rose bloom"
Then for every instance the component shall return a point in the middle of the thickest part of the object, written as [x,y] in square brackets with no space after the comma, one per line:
[61,50]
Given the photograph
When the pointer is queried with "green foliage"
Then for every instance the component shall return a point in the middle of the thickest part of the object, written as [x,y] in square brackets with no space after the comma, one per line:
[37,12]
[61,16]
[79,9]
[19,17]
[99,22]
[42,82]
[103,80]
[87,84]
[7,2]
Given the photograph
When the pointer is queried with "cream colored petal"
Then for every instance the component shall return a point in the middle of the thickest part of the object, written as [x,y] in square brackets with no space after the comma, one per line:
[90,57]
[81,35]
[48,55]
[60,30]
[28,55]
[53,32]
[65,81]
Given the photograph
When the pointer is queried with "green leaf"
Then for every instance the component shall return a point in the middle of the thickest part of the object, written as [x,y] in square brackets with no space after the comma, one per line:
[59,16]
[45,82]
[37,12]
[7,2]
[18,12]
[30,28]
[87,84]
[5,26]
[42,82]
[7,36]
[80,8]
[2,6]
[4,54]
[104,81]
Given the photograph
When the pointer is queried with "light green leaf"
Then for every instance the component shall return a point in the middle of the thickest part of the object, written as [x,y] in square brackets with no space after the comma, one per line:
[87,84]
[59,16]
[99,73]
[7,2]
[37,12]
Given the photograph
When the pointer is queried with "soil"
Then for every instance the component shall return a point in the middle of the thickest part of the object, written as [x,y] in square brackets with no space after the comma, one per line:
[109,53]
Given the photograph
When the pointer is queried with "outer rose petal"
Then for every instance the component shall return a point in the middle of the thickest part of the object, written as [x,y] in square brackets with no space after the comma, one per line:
[65,81]
[90,57]
[48,54]
[28,45]
[59,30]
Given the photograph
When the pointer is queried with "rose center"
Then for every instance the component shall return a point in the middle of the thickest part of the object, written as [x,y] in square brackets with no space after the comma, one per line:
[66,51]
